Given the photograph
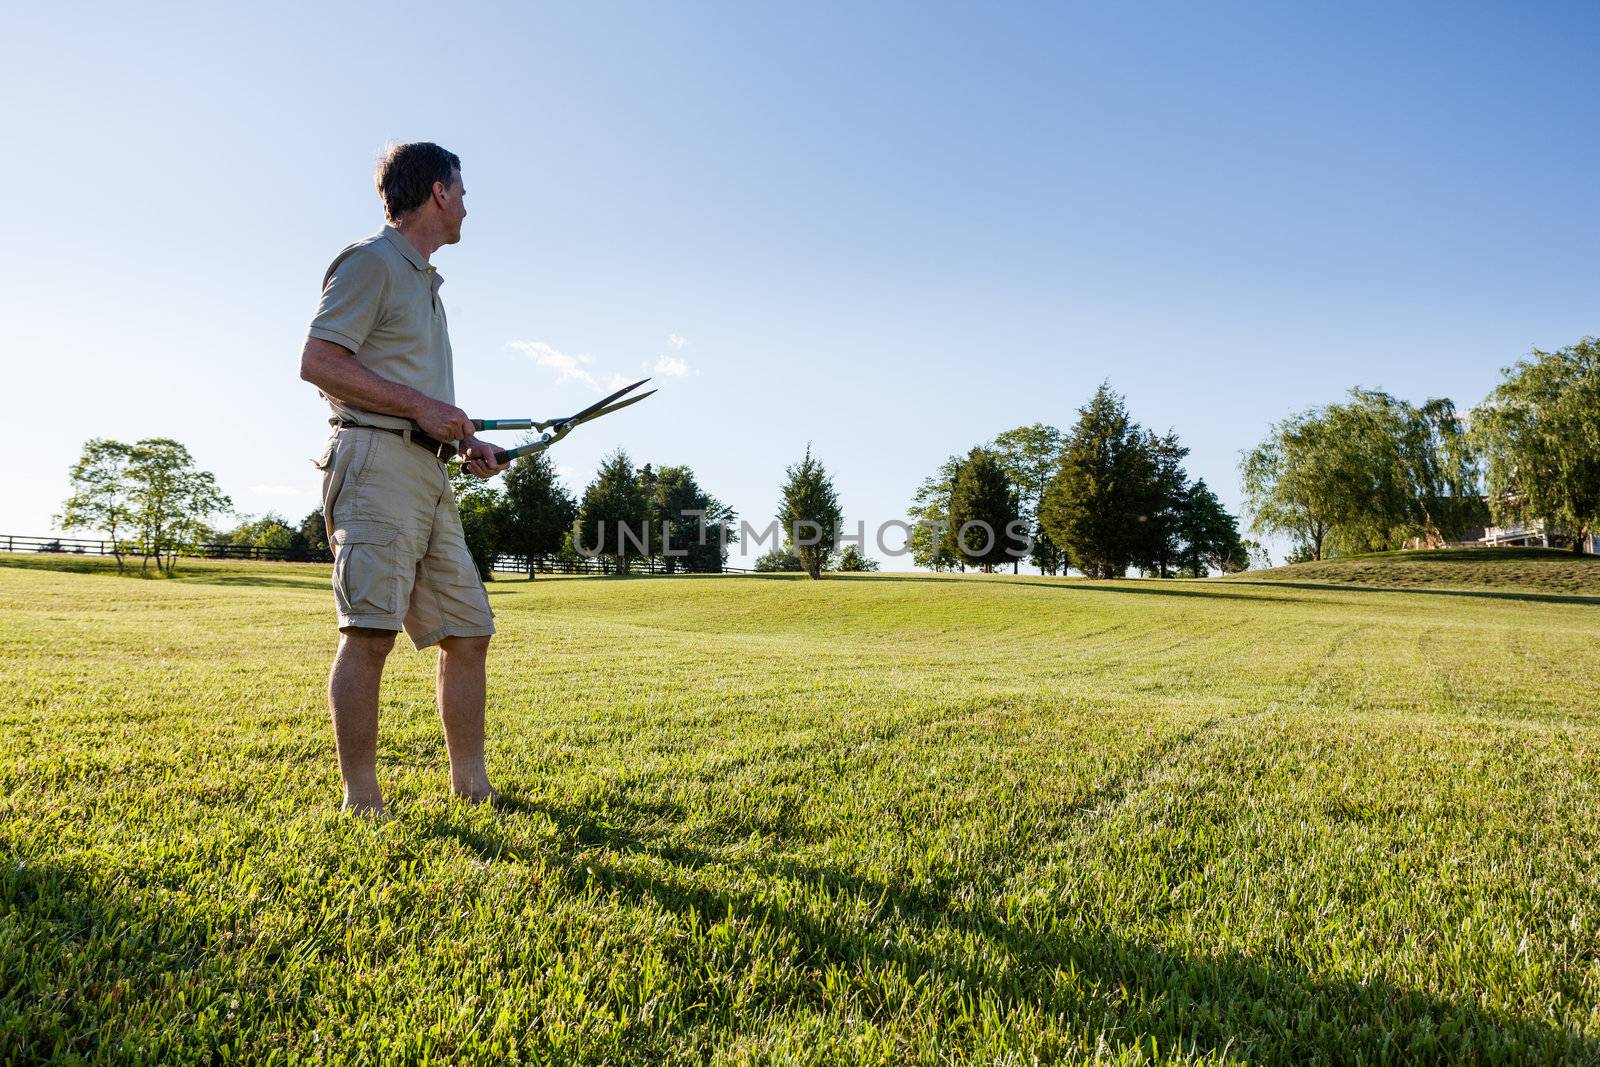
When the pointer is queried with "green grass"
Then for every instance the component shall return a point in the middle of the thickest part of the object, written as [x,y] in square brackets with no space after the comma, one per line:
[870,819]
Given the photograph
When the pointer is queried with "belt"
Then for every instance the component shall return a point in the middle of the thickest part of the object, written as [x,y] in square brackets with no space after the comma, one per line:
[439,450]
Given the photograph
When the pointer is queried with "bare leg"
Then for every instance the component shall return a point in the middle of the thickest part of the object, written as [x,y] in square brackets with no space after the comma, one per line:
[461,687]
[353,703]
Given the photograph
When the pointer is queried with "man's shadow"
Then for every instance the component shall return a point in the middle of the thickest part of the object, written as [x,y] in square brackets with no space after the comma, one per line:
[1221,1004]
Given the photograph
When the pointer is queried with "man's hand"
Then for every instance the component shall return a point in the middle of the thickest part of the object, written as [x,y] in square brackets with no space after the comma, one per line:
[444,421]
[478,458]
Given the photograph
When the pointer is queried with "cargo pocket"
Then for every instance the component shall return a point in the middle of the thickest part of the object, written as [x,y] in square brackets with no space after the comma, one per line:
[326,460]
[365,578]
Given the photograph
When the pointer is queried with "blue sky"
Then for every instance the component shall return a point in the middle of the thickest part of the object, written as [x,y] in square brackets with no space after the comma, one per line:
[889,230]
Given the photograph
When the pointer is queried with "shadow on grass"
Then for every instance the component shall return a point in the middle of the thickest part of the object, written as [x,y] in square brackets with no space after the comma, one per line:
[252,580]
[1227,1004]
[1139,587]
[1484,594]
[76,963]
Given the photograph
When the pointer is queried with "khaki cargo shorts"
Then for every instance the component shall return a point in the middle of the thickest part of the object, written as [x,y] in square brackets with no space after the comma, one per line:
[400,560]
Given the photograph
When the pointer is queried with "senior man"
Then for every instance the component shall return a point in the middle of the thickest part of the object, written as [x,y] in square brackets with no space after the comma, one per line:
[379,352]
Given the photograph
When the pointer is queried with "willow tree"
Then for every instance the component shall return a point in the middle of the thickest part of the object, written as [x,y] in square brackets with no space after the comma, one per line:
[1540,434]
[1366,473]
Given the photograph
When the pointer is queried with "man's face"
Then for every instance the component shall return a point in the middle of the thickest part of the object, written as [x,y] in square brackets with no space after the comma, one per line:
[452,203]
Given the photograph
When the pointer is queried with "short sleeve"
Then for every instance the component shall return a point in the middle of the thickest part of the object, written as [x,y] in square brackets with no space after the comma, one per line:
[352,297]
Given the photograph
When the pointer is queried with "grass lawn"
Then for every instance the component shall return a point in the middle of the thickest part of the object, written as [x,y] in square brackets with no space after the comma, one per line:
[871,819]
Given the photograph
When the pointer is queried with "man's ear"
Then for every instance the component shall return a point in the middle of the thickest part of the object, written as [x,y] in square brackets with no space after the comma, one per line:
[441,191]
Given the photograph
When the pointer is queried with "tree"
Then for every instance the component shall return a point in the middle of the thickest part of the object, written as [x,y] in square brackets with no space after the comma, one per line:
[1096,505]
[101,499]
[777,561]
[851,560]
[535,511]
[1442,468]
[1167,496]
[1366,473]
[269,532]
[983,507]
[688,526]
[314,533]
[478,505]
[809,513]
[930,518]
[1256,556]
[1029,455]
[171,499]
[1294,484]
[1207,536]
[614,517]
[1540,433]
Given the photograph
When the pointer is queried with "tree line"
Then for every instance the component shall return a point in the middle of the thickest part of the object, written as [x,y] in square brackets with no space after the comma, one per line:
[1104,497]
[151,500]
[1372,472]
[625,515]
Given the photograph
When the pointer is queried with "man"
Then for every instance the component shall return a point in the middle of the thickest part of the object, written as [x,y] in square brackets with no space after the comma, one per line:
[379,352]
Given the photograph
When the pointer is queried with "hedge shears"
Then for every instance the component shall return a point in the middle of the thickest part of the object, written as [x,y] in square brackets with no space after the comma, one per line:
[553,430]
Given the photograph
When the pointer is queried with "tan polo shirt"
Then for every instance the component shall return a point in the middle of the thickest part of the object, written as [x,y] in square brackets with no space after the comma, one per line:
[380,299]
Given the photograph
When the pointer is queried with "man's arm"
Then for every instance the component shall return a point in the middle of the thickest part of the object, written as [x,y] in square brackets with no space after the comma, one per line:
[333,369]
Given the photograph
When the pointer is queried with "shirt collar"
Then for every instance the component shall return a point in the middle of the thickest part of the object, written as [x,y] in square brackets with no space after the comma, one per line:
[406,248]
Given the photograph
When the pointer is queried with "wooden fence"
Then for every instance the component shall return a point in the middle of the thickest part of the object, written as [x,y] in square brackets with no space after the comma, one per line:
[594,565]
[81,546]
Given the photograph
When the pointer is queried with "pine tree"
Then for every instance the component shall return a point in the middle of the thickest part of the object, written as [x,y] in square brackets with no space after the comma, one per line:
[809,513]
[1163,508]
[686,521]
[1097,504]
[535,510]
[983,507]
[1208,536]
[614,518]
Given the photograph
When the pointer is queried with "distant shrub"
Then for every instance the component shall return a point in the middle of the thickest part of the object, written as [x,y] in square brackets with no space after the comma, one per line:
[851,559]
[778,560]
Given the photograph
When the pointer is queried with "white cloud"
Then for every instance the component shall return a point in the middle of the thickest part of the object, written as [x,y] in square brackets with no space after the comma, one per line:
[567,368]
[279,490]
[677,341]
[571,368]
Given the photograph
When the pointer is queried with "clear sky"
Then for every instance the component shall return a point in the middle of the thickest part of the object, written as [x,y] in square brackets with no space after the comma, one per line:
[889,230]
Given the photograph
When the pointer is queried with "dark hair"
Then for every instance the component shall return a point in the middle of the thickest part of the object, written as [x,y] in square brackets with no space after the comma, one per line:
[406,173]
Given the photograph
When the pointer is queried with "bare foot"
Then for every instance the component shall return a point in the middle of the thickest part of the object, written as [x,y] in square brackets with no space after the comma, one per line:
[365,809]
[483,793]
[470,782]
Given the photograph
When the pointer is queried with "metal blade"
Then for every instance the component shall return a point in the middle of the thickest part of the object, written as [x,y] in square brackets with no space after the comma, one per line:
[595,414]
[597,405]
[562,427]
